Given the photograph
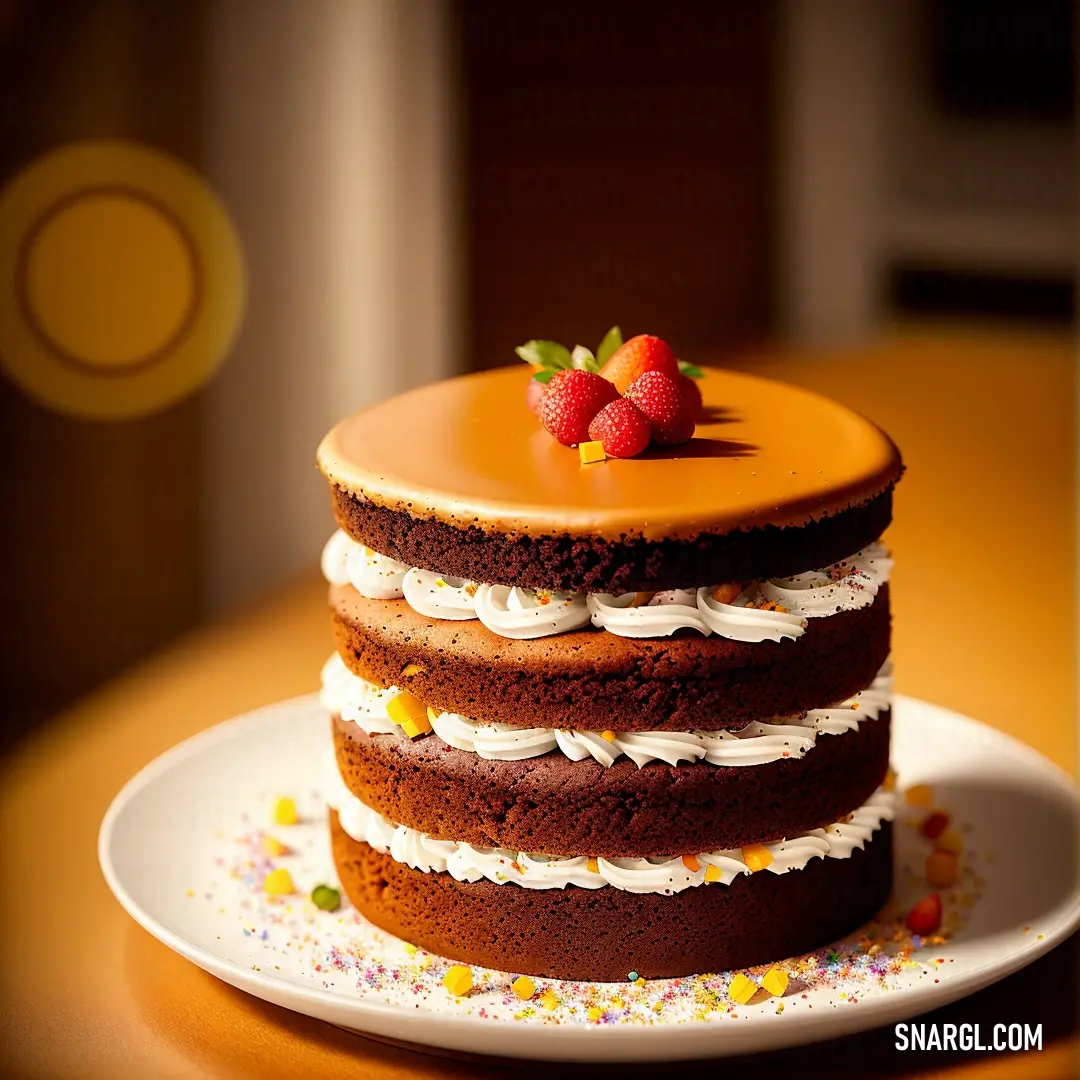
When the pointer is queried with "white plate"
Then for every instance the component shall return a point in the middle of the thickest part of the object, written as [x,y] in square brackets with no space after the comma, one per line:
[180,849]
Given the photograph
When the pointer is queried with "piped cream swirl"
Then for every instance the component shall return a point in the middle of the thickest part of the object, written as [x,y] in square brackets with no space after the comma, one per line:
[529,613]
[360,702]
[468,862]
[772,610]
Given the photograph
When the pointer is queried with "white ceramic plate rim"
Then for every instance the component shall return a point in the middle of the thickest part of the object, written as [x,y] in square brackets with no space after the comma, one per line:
[576,1042]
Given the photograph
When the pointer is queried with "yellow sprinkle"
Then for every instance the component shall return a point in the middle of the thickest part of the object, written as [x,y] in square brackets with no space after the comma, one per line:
[405,706]
[593,866]
[950,840]
[775,981]
[691,863]
[591,452]
[284,811]
[595,1012]
[273,847]
[741,989]
[458,980]
[410,948]
[439,581]
[414,728]
[549,1000]
[712,873]
[779,1007]
[523,987]
[190,894]
[609,735]
[278,883]
[756,857]
[941,869]
[412,669]
[919,795]
[640,980]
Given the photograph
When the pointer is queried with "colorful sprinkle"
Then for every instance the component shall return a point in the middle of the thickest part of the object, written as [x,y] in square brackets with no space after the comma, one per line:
[919,795]
[523,987]
[458,980]
[591,452]
[741,989]
[326,897]
[284,811]
[278,883]
[950,840]
[757,857]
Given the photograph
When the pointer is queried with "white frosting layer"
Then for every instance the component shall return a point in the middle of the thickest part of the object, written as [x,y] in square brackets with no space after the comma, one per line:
[364,704]
[345,562]
[513,612]
[529,613]
[465,862]
[844,586]
[439,597]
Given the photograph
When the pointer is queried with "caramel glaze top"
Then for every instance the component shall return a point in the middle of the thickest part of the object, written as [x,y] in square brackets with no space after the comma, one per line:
[467,451]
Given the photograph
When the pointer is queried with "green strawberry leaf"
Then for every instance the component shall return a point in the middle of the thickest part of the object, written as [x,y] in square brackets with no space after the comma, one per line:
[612,341]
[545,375]
[690,371]
[583,358]
[545,354]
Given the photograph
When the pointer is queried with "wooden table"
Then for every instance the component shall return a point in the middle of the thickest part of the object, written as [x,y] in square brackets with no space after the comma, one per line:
[984,529]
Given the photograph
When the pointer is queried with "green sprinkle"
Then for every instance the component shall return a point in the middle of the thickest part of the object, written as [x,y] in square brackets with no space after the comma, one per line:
[326,898]
[632,977]
[832,957]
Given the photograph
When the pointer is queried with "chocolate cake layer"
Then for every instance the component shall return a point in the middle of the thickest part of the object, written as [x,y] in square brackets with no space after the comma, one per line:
[596,564]
[603,934]
[553,805]
[594,680]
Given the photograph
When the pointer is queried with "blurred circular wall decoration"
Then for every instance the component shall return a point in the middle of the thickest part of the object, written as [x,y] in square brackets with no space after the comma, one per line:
[122,280]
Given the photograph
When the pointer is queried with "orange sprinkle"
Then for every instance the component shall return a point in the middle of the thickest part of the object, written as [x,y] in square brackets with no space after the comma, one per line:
[724,594]
[757,857]
[609,735]
[691,863]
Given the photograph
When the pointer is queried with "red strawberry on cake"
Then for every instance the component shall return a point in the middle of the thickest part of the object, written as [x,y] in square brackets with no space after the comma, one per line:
[657,395]
[640,354]
[571,401]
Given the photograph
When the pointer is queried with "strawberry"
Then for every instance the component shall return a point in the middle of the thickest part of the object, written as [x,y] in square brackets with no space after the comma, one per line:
[925,917]
[640,354]
[658,397]
[571,400]
[622,427]
[690,392]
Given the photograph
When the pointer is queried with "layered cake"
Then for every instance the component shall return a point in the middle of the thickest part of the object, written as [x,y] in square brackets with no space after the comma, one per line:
[630,716]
